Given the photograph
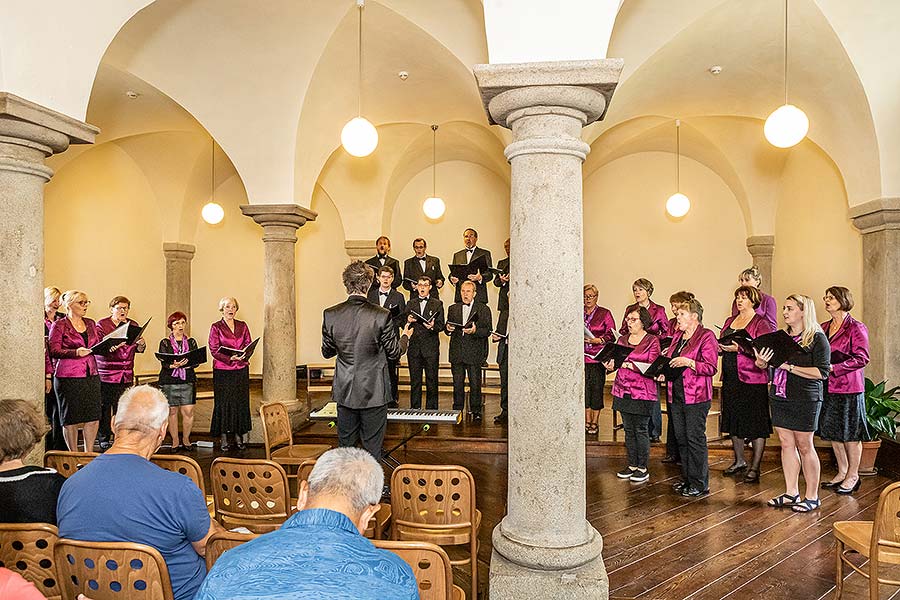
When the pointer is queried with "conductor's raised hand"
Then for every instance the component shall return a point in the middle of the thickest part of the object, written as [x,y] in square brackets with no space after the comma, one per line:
[407,329]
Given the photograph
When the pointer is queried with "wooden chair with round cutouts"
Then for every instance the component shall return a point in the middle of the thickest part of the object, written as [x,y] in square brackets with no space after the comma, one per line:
[185,465]
[67,463]
[430,565]
[250,493]
[111,571]
[279,439]
[27,549]
[221,542]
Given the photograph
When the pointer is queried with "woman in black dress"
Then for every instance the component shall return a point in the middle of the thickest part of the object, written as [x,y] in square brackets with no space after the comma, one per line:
[178,381]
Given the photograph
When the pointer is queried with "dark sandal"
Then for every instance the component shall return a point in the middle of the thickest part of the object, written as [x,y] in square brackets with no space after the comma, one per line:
[752,476]
[593,429]
[735,468]
[808,505]
[784,500]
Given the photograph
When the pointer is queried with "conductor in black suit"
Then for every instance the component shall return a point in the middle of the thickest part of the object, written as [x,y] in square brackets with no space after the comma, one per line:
[419,265]
[386,297]
[424,344]
[382,258]
[364,338]
[468,347]
[467,255]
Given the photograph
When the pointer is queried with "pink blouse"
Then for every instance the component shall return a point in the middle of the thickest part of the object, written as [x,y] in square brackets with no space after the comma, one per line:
[220,335]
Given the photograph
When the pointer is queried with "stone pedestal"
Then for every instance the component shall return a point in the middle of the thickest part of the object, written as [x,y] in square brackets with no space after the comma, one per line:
[879,223]
[178,278]
[544,547]
[360,249]
[28,134]
[762,248]
[280,223]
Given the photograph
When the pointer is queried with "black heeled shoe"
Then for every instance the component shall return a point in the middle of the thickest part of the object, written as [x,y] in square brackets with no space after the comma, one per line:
[224,443]
[242,441]
[847,491]
[734,469]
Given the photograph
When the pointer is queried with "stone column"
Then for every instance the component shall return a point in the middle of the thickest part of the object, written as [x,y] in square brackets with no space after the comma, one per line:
[879,223]
[280,223]
[544,547]
[360,249]
[762,248]
[178,277]
[28,134]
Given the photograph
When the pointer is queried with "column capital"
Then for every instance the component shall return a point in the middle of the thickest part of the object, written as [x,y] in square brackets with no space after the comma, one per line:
[16,114]
[178,251]
[583,86]
[360,249]
[761,245]
[279,221]
[876,215]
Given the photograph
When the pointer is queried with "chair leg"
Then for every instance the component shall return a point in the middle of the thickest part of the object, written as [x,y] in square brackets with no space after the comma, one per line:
[873,577]
[839,570]
[473,549]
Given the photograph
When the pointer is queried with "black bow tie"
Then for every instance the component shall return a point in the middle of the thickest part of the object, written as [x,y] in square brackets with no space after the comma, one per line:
[464,304]
[383,293]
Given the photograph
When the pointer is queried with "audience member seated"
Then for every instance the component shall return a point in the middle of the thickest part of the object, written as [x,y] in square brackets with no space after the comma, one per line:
[27,493]
[15,587]
[319,552]
[121,496]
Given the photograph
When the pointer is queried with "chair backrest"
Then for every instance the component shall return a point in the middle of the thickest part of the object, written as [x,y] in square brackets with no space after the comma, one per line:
[181,464]
[222,541]
[276,426]
[429,563]
[27,549]
[304,469]
[437,495]
[886,527]
[251,493]
[67,463]
[112,571]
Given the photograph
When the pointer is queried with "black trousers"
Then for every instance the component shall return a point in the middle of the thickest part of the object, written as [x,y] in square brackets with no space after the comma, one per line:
[503,362]
[460,372]
[656,417]
[394,374]
[362,425]
[54,439]
[637,439]
[594,380]
[690,429]
[109,402]
[671,440]
[419,360]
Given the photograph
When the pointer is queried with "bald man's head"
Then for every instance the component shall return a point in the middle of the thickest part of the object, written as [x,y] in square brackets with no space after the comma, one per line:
[142,409]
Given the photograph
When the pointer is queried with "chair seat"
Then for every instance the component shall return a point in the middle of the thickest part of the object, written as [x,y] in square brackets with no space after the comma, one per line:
[296,454]
[458,593]
[858,535]
[441,537]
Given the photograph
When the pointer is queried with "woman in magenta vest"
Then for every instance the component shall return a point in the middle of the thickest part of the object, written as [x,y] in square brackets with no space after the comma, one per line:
[75,378]
[695,353]
[599,322]
[843,417]
[54,440]
[745,395]
[676,300]
[634,395]
[231,376]
[768,308]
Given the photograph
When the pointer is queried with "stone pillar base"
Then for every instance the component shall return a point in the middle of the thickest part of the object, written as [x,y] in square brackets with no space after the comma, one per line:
[513,581]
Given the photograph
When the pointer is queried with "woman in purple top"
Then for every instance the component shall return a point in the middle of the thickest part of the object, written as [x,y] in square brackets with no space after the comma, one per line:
[599,322]
[634,394]
[695,356]
[768,308]
[676,301]
[75,380]
[177,380]
[54,440]
[231,376]
[843,417]
[745,394]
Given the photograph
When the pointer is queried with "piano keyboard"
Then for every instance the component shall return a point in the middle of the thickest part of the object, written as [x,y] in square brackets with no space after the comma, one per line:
[329,413]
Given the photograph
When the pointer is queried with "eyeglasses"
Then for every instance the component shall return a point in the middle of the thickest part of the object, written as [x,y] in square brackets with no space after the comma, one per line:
[125,308]
[632,320]
[588,296]
[828,297]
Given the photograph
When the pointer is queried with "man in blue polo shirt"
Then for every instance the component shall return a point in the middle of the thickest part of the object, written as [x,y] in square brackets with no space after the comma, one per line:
[319,552]
[121,496]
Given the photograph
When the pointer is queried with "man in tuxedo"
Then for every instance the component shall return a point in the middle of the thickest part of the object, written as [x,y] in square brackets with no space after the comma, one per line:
[382,258]
[467,255]
[387,297]
[419,265]
[501,280]
[364,338]
[424,344]
[468,347]
[502,340]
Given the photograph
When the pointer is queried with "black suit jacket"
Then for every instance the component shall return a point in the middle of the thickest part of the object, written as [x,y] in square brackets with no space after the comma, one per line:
[389,261]
[503,344]
[470,348]
[412,269]
[394,298]
[461,258]
[427,340]
[503,301]
[363,338]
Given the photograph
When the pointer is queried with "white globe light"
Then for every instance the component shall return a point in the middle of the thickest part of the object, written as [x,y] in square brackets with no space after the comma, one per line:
[433,208]
[359,137]
[212,213]
[678,205]
[786,127]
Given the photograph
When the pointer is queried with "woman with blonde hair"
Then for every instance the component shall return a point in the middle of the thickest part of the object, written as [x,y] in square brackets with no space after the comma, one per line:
[54,440]
[231,376]
[598,321]
[796,399]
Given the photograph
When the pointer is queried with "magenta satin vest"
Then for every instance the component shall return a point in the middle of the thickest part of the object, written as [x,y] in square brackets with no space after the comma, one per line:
[602,325]
[748,372]
[767,309]
[851,339]
[631,382]
[118,366]
[703,348]
[659,320]
[63,343]
[220,335]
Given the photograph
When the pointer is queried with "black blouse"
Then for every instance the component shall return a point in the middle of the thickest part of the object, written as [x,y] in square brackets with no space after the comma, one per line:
[165,374]
[818,355]
[28,495]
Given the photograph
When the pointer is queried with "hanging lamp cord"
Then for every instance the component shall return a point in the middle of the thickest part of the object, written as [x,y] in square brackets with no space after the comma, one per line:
[434,129]
[678,155]
[785,51]
[359,63]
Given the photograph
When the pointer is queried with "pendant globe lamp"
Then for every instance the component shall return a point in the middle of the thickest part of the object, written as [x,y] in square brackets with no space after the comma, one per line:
[434,206]
[788,125]
[678,204]
[212,212]
[359,137]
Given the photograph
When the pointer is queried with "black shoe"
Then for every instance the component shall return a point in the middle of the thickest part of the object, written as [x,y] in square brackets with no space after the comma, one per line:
[224,443]
[735,468]
[692,492]
[386,494]
[840,489]
[501,419]
[476,418]
[678,487]
[655,440]
[669,459]
[752,476]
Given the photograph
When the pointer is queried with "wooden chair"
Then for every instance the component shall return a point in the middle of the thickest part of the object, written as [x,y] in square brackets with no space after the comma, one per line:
[27,549]
[431,566]
[877,540]
[181,464]
[250,493]
[67,463]
[111,571]
[222,541]
[436,503]
[277,431]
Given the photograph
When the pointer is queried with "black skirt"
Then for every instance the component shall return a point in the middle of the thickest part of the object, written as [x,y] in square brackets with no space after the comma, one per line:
[843,418]
[796,415]
[78,399]
[231,411]
[627,404]
[745,409]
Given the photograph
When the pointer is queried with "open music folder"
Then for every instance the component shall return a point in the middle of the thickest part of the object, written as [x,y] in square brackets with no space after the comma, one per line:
[781,343]
[462,272]
[739,337]
[195,358]
[658,367]
[617,352]
[127,333]
[421,318]
[247,350]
